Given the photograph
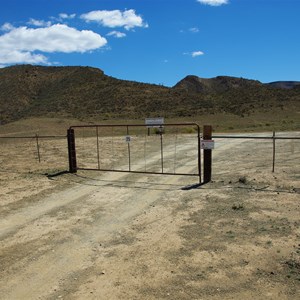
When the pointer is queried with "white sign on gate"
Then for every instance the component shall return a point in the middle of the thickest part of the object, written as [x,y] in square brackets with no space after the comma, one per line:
[207,144]
[154,122]
[127,138]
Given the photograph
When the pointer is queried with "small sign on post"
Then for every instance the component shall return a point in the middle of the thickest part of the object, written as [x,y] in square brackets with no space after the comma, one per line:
[128,139]
[154,122]
[207,144]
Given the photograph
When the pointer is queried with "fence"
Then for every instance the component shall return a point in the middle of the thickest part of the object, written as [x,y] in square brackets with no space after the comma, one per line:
[33,153]
[277,152]
[274,151]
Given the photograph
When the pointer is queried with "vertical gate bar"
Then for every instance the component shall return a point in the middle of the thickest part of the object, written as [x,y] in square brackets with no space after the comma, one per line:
[145,152]
[112,148]
[161,150]
[273,166]
[128,145]
[207,134]
[175,150]
[199,155]
[38,147]
[98,156]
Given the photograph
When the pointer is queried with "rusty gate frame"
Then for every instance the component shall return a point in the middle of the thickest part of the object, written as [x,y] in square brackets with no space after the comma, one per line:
[72,150]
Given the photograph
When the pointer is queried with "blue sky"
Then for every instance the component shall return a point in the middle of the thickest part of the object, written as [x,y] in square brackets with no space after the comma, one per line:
[156,41]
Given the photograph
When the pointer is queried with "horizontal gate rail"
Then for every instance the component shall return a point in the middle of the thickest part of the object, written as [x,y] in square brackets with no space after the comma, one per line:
[137,125]
[34,136]
[138,172]
[256,137]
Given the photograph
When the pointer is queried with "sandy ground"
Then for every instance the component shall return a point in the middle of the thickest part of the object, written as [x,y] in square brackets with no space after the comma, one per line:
[98,235]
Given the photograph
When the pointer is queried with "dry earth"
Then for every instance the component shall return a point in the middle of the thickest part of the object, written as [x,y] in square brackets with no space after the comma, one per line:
[97,235]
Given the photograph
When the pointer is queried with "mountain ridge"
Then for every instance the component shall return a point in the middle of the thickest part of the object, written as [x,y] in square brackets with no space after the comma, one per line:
[222,83]
[86,92]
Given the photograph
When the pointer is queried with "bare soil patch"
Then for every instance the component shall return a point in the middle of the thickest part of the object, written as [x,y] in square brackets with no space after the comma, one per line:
[126,236]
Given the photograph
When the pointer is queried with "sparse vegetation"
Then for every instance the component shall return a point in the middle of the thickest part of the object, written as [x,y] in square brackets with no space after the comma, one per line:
[238,207]
[243,180]
[88,94]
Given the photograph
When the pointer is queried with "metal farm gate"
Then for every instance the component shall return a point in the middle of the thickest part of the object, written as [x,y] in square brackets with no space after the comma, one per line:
[168,149]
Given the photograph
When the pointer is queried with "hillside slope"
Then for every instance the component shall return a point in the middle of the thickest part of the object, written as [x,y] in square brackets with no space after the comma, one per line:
[285,84]
[84,92]
[81,92]
[218,84]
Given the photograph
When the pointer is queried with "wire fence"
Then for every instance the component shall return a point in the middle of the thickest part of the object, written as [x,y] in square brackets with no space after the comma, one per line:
[33,153]
[276,152]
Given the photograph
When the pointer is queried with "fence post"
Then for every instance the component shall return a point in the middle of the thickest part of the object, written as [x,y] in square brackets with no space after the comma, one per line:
[161,148]
[274,151]
[98,154]
[128,148]
[207,154]
[72,151]
[38,147]
[199,155]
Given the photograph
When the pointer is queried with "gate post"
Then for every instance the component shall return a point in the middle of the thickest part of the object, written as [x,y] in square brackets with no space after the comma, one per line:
[72,151]
[207,157]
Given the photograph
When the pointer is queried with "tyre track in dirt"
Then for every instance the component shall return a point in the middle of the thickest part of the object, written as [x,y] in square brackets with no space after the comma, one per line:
[71,225]
[53,248]
[48,244]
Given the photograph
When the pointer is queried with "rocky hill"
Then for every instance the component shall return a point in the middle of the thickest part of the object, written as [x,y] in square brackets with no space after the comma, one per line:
[215,85]
[285,84]
[84,92]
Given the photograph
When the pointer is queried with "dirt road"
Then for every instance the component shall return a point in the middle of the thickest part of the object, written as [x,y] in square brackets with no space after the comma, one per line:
[129,236]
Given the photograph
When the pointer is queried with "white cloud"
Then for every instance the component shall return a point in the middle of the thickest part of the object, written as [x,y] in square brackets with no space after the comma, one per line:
[21,44]
[194,54]
[66,16]
[62,18]
[213,2]
[197,53]
[39,23]
[194,29]
[115,18]
[18,57]
[117,34]
[7,27]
